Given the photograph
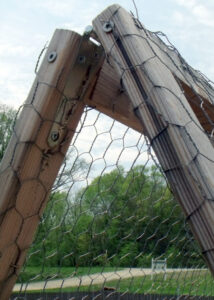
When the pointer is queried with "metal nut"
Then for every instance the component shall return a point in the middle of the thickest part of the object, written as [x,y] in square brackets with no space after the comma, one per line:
[52,56]
[108,26]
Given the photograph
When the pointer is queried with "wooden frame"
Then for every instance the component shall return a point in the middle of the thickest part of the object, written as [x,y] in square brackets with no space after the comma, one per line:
[164,105]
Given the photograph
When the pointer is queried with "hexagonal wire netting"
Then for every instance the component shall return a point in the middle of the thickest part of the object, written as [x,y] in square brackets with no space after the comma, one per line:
[112,226]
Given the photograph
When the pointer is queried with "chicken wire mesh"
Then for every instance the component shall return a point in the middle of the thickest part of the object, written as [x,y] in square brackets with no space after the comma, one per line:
[112,223]
[110,213]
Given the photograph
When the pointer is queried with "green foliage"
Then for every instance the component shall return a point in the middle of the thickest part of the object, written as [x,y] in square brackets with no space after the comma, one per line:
[121,219]
[7,116]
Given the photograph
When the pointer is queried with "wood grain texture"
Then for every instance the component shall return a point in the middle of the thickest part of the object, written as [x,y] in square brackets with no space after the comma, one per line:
[33,158]
[108,97]
[203,109]
[179,67]
[184,151]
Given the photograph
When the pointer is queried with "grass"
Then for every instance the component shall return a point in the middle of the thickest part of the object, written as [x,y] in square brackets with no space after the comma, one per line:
[176,283]
[51,272]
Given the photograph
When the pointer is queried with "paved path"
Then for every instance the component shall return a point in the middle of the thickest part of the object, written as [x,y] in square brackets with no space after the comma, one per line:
[85,280]
[98,278]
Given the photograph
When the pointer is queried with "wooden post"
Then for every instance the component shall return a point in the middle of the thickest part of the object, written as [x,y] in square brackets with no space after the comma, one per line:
[41,137]
[183,149]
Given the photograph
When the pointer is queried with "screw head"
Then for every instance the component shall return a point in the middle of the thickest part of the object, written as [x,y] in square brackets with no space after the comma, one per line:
[108,26]
[52,57]
[55,136]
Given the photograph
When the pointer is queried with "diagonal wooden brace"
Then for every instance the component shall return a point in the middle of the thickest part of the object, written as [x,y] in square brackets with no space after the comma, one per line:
[182,147]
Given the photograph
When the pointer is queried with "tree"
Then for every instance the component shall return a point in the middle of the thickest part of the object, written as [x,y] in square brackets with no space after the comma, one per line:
[73,170]
[7,116]
[134,218]
[121,219]
[55,237]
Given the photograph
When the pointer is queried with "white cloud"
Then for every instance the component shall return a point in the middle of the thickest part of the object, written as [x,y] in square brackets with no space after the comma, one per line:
[192,26]
[57,7]
[69,8]
[12,50]
[178,17]
[13,92]
[202,13]
[187,3]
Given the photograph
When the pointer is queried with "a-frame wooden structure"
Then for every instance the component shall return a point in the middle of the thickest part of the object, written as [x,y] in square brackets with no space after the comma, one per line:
[133,77]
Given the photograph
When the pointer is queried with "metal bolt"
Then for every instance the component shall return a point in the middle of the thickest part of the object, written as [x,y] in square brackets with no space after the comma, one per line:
[52,56]
[108,26]
[54,136]
[82,59]
[88,30]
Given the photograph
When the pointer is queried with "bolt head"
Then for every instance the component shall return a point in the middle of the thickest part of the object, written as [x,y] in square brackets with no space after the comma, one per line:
[108,26]
[82,59]
[55,136]
[52,56]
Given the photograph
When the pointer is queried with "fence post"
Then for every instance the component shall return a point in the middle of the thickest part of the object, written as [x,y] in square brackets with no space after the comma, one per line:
[41,137]
[176,136]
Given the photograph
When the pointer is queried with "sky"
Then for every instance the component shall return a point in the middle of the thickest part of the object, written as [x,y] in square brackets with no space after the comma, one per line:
[26,25]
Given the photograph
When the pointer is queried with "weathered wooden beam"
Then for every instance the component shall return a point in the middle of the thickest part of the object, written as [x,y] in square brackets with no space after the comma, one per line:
[179,141]
[196,87]
[203,109]
[108,97]
[42,135]
[169,56]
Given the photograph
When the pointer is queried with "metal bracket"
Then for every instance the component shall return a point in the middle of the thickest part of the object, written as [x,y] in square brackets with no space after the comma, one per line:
[88,61]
